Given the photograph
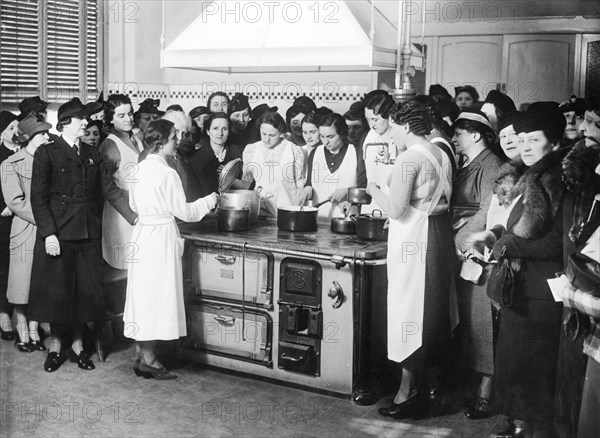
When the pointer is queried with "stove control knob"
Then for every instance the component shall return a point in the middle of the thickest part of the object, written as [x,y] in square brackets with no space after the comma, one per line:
[336,291]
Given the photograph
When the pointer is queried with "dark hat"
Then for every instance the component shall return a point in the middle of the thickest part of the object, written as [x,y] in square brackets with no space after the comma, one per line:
[508,119]
[261,109]
[306,104]
[6,118]
[94,107]
[72,108]
[501,101]
[542,116]
[481,120]
[239,102]
[575,103]
[198,111]
[31,104]
[150,106]
[448,109]
[30,126]
[437,90]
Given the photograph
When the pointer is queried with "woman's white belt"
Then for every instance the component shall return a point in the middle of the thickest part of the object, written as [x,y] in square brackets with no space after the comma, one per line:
[156,220]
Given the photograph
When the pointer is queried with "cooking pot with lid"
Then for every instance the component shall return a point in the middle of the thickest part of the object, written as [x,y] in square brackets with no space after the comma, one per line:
[371,227]
[243,199]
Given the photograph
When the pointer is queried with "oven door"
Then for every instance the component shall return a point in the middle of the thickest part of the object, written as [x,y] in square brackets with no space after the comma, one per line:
[217,273]
[228,330]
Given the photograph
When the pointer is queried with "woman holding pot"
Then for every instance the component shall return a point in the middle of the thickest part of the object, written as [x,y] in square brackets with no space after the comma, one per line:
[208,161]
[154,302]
[275,164]
[420,230]
[333,167]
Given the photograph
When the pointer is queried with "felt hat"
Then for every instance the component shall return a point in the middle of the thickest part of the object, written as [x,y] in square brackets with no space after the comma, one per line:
[501,101]
[198,111]
[72,108]
[30,126]
[480,119]
[6,118]
[508,119]
[30,105]
[261,109]
[239,102]
[150,106]
[542,116]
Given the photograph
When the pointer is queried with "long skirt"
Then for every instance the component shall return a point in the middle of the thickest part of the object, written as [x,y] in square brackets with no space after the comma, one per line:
[526,359]
[67,289]
[475,331]
[5,224]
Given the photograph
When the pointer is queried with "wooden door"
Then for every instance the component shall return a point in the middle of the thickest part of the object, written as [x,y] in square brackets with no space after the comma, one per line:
[538,67]
[472,60]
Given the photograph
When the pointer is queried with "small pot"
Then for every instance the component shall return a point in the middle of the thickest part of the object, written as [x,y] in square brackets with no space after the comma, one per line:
[370,227]
[296,218]
[233,219]
[242,199]
[344,225]
[358,195]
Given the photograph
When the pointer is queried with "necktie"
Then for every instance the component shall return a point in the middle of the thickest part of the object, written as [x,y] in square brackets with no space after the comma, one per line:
[76,149]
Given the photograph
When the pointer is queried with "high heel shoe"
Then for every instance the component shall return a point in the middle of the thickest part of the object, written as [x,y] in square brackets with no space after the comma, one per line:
[7,336]
[158,373]
[479,409]
[23,347]
[37,345]
[399,411]
[52,362]
[83,360]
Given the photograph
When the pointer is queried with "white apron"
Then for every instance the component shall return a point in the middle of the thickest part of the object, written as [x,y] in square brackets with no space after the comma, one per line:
[325,183]
[407,251]
[378,173]
[116,231]
[271,176]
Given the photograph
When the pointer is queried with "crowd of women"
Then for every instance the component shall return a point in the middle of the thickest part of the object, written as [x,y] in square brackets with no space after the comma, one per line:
[469,188]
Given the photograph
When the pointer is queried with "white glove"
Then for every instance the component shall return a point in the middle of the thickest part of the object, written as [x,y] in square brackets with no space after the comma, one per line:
[52,245]
[6,212]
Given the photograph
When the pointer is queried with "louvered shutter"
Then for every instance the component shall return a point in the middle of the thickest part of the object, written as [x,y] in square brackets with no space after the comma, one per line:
[92,48]
[19,48]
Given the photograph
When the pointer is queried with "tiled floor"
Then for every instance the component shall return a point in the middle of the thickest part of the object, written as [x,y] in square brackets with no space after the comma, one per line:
[112,402]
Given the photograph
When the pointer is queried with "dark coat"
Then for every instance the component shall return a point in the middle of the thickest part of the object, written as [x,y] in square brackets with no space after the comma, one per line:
[205,165]
[535,227]
[66,195]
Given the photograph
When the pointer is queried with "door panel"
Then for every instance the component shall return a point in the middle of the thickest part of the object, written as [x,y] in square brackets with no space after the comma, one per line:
[469,60]
[539,67]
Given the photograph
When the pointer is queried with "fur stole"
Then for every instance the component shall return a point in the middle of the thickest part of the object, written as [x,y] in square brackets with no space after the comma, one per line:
[543,193]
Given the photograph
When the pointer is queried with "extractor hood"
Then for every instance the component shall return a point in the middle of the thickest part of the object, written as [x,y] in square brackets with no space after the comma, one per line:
[283,36]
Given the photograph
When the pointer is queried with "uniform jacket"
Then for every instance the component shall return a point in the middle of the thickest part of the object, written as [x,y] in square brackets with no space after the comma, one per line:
[66,196]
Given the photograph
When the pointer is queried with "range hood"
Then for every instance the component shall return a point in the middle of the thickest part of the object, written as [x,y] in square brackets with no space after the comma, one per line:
[284,36]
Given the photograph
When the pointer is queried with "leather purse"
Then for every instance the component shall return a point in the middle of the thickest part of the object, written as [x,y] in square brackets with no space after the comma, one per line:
[583,272]
[501,283]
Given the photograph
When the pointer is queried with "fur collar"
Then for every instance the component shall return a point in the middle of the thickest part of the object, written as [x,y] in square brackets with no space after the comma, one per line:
[543,193]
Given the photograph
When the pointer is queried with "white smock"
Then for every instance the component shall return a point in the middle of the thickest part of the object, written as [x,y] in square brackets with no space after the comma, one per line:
[407,251]
[116,231]
[324,182]
[154,307]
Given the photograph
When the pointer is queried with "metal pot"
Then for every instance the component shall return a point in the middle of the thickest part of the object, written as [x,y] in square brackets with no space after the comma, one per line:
[344,225]
[242,199]
[370,227]
[233,219]
[296,218]
[358,195]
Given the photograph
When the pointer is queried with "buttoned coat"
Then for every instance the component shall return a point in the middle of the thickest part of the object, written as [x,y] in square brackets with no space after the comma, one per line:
[16,173]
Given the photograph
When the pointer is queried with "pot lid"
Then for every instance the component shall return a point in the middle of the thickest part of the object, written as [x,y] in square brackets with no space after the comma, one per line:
[229,174]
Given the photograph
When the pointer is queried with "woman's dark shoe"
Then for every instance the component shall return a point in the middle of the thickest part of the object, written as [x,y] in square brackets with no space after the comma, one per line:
[37,345]
[158,373]
[7,336]
[83,360]
[511,431]
[136,367]
[399,411]
[52,362]
[23,347]
[479,409]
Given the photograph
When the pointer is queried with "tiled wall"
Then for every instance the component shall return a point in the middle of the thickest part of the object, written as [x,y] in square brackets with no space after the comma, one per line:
[337,97]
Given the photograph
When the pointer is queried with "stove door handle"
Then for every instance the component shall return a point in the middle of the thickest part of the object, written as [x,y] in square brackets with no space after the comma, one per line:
[229,320]
[291,358]
[225,259]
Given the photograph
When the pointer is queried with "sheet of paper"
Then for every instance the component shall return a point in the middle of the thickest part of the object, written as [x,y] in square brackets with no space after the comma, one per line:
[557,285]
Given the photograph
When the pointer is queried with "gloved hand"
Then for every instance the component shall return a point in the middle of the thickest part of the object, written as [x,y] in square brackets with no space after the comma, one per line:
[6,212]
[52,245]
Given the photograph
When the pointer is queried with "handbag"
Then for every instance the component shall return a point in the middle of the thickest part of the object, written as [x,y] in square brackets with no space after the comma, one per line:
[501,283]
[583,272]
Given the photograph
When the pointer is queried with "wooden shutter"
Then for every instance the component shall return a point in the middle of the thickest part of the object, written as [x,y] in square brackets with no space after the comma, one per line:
[19,48]
[92,38]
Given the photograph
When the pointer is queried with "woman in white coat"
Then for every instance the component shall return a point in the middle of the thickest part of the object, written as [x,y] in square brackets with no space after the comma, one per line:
[154,302]
[275,164]
[420,260]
